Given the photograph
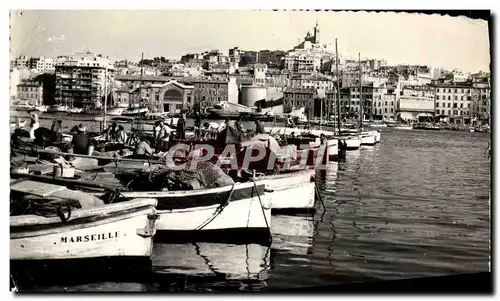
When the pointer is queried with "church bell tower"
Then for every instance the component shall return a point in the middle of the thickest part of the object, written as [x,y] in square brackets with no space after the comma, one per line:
[316,32]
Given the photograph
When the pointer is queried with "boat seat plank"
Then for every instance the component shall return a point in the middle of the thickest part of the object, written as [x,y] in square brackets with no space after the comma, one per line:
[41,169]
[36,188]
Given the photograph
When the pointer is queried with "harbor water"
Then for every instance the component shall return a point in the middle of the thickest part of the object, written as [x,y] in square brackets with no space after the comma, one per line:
[415,205]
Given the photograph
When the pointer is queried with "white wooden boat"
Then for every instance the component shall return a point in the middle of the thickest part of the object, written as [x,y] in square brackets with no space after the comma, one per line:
[75,110]
[352,142]
[293,191]
[202,259]
[242,207]
[42,108]
[115,111]
[135,111]
[23,107]
[368,138]
[115,230]
[403,127]
[57,108]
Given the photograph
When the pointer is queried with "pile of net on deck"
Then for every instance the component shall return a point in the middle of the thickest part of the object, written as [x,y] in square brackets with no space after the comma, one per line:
[60,203]
[163,178]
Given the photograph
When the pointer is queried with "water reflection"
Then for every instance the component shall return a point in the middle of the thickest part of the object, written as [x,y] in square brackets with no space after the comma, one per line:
[214,265]
[292,234]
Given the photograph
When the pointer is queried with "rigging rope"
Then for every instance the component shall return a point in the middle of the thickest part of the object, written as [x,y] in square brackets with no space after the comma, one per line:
[262,208]
[218,210]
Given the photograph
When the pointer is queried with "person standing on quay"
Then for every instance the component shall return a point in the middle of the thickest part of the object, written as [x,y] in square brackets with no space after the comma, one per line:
[81,142]
[181,127]
[197,124]
[34,124]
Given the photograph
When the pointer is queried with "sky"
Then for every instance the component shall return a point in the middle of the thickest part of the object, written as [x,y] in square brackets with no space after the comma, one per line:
[400,38]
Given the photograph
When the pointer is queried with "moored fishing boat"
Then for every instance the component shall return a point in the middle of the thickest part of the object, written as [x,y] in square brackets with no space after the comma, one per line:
[117,111]
[139,111]
[57,108]
[352,142]
[203,213]
[292,191]
[88,229]
[368,138]
[403,127]
[75,110]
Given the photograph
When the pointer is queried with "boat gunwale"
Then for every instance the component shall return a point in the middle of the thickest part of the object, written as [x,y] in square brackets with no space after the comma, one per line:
[34,230]
[184,193]
[79,214]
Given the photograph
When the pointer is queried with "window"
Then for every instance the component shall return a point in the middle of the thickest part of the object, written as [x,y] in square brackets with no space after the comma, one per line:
[449,104]
[449,97]
[437,104]
[438,90]
[437,97]
[385,110]
[449,90]
[455,90]
[455,105]
[449,112]
[392,110]
[442,112]
[468,105]
[462,97]
[456,97]
[461,105]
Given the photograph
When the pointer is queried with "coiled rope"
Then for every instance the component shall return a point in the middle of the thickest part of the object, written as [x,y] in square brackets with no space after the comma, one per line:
[217,211]
[51,207]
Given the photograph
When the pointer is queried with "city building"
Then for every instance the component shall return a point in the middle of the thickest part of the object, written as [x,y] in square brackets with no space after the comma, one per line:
[272,58]
[317,82]
[30,92]
[45,64]
[83,80]
[171,97]
[259,73]
[206,91]
[385,102]
[294,99]
[481,98]
[454,101]
[416,103]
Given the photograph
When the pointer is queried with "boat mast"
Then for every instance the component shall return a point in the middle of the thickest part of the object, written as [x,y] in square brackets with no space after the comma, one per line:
[140,82]
[337,95]
[360,94]
[105,94]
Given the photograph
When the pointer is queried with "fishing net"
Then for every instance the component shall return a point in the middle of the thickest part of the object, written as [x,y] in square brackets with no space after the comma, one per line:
[47,207]
[160,177]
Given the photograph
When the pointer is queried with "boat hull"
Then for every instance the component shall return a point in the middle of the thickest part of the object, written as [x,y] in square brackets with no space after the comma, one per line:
[116,232]
[195,211]
[115,111]
[292,192]
[353,143]
[368,139]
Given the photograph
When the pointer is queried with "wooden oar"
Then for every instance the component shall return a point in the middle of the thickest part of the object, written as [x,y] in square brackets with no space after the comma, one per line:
[98,157]
[61,181]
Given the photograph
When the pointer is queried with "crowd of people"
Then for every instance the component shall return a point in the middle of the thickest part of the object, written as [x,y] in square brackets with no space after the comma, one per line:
[143,145]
